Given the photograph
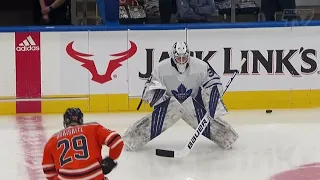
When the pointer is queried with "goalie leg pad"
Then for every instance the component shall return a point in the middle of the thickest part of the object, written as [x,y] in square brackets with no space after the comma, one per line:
[223,133]
[200,112]
[219,131]
[163,117]
[158,117]
[195,113]
[207,97]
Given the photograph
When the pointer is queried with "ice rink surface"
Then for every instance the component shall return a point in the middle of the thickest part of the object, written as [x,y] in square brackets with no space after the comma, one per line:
[268,144]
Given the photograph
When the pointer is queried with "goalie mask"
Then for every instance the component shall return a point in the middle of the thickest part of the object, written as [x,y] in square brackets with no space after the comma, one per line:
[181,55]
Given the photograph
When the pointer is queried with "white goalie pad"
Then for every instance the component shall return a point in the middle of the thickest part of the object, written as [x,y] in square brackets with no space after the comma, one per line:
[220,131]
[141,132]
[221,108]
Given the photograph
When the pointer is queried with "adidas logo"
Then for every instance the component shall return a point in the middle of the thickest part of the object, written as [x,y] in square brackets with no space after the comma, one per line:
[28,45]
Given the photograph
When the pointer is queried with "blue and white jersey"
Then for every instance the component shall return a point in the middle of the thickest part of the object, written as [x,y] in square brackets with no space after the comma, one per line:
[198,75]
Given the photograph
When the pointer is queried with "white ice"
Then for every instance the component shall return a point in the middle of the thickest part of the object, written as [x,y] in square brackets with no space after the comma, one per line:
[268,144]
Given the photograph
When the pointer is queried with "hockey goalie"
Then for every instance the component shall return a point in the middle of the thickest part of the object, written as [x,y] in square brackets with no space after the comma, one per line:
[181,87]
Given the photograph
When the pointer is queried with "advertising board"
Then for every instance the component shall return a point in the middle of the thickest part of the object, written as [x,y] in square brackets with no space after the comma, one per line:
[105,71]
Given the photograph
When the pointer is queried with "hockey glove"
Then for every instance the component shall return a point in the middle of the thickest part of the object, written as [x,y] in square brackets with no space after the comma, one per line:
[107,165]
[155,93]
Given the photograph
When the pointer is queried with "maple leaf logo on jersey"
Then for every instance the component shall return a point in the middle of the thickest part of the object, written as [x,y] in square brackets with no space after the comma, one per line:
[182,94]
[90,65]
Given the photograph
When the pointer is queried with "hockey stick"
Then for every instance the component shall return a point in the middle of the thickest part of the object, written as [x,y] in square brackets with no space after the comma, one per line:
[148,80]
[199,130]
[139,105]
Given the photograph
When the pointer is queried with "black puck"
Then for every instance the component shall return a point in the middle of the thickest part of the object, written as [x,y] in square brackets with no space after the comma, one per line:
[268,111]
[164,153]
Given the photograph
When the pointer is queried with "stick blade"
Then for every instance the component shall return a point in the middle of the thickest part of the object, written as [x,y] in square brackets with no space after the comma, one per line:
[165,153]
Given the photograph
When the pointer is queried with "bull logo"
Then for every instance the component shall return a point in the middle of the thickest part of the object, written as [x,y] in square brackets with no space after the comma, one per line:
[91,67]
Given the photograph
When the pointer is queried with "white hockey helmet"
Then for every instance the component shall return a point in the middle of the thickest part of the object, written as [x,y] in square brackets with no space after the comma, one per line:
[180,55]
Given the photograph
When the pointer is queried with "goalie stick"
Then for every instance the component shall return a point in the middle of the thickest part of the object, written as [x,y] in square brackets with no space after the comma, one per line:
[199,130]
[140,103]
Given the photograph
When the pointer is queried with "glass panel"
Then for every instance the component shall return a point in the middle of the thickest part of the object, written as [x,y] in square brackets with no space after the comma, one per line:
[90,12]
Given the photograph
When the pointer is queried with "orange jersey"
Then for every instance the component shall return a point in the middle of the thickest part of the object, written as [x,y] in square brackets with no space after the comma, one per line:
[75,152]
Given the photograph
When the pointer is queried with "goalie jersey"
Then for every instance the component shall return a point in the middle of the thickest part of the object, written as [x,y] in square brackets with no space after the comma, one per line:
[198,75]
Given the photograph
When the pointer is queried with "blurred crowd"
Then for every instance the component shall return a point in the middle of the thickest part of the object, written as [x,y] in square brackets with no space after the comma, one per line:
[86,12]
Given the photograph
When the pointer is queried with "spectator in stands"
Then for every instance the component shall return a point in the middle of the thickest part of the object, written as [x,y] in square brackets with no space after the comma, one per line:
[270,7]
[166,9]
[56,12]
[37,15]
[193,11]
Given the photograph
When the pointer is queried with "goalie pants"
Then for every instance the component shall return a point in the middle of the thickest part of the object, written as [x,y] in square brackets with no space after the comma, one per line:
[168,113]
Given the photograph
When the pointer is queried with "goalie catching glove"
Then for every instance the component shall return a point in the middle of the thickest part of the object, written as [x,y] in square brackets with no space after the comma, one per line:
[107,165]
[155,93]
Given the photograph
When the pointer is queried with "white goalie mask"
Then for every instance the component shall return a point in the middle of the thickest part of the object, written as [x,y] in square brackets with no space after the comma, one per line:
[181,55]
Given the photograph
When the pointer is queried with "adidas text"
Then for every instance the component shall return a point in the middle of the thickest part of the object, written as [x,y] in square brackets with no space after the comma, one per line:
[28,48]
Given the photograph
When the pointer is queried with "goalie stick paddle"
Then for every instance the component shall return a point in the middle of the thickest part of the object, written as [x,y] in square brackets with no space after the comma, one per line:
[199,130]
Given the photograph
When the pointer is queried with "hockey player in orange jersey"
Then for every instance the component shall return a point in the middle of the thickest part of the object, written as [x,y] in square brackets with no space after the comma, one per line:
[74,153]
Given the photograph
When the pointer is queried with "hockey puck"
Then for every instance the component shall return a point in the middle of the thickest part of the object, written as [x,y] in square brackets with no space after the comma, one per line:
[268,111]
[164,153]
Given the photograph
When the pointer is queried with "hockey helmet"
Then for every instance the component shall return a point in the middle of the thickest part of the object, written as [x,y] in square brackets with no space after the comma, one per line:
[180,55]
[72,115]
